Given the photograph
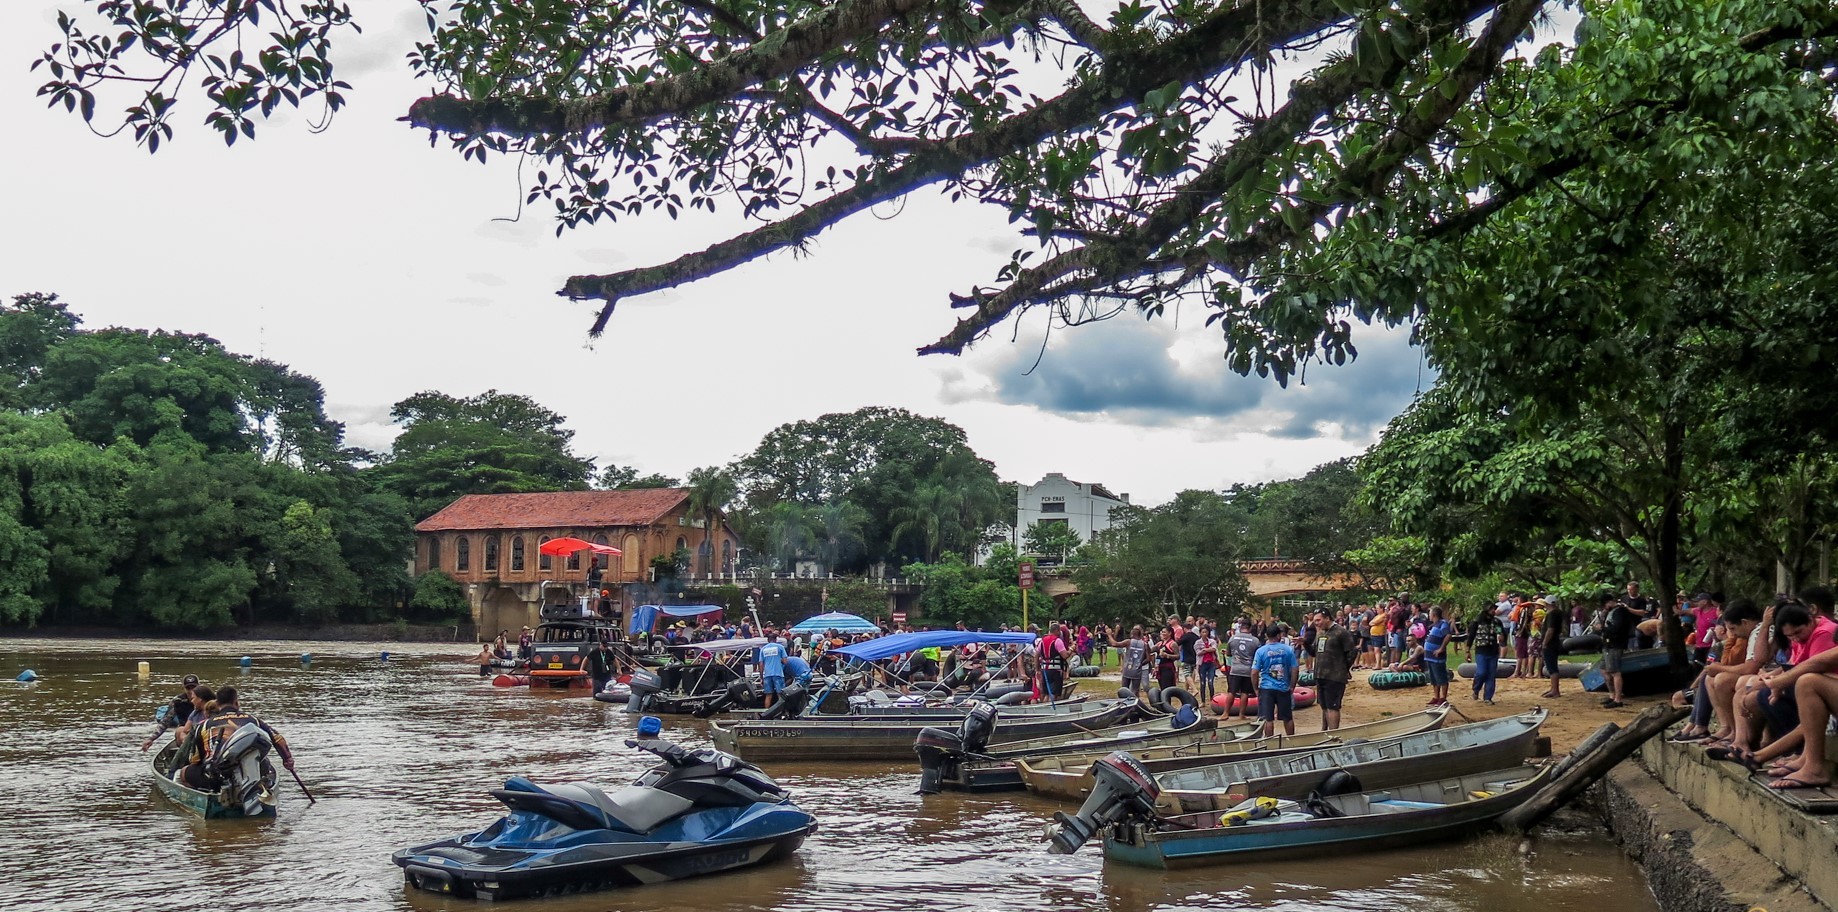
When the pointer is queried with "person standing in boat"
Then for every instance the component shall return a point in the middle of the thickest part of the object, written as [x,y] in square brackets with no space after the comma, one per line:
[1053,658]
[771,660]
[226,717]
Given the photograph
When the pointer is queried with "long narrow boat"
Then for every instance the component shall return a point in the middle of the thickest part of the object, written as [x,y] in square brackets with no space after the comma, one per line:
[1068,776]
[1362,821]
[869,738]
[1441,754]
[999,772]
[208,805]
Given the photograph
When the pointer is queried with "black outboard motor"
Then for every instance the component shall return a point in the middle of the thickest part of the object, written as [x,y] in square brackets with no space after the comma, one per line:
[791,703]
[736,693]
[645,684]
[240,763]
[942,751]
[1124,789]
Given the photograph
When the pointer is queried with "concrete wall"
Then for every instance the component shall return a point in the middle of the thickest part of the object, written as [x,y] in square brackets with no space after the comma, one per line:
[1711,841]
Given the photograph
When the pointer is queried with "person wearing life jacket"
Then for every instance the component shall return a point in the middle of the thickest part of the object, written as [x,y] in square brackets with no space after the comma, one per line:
[925,664]
[1054,655]
[225,718]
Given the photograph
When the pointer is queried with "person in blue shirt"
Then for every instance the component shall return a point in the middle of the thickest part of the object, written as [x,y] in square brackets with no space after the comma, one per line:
[797,670]
[771,659]
[1436,656]
[1275,668]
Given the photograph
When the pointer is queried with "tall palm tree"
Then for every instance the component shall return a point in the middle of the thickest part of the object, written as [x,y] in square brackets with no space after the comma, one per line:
[839,524]
[790,531]
[711,489]
[926,518]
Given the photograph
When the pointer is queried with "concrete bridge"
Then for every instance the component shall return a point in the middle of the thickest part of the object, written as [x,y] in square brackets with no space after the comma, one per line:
[1268,577]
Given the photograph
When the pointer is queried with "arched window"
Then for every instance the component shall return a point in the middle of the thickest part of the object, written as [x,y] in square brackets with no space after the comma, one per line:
[629,560]
[462,554]
[517,554]
[574,561]
[727,555]
[682,544]
[544,562]
[433,553]
[491,554]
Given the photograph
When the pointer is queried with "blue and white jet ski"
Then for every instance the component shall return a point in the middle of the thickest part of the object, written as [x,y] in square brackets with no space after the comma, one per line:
[698,812]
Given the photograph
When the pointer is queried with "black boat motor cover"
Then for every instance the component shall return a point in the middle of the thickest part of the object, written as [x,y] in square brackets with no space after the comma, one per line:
[940,751]
[791,703]
[1123,788]
[239,763]
[646,682]
[979,724]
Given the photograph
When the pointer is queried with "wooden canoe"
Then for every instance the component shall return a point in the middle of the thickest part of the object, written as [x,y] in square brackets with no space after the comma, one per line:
[208,805]
[870,738]
[1068,776]
[1443,753]
[1405,816]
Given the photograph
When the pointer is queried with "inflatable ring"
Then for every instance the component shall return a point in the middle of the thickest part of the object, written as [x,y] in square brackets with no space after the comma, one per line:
[1394,680]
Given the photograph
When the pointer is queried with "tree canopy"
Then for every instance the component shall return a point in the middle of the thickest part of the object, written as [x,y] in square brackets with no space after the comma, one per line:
[1144,150]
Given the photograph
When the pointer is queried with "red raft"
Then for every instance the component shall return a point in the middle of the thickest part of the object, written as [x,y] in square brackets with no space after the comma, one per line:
[1305,697]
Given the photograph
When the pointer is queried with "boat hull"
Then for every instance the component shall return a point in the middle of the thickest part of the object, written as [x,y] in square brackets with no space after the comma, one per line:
[208,805]
[867,738]
[1643,672]
[1068,777]
[1002,775]
[1387,763]
[1151,845]
[589,868]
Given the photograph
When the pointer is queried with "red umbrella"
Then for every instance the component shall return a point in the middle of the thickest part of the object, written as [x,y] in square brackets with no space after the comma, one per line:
[562,547]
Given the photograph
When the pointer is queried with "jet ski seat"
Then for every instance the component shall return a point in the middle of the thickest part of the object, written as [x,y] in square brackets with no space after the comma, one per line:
[634,809]
[583,806]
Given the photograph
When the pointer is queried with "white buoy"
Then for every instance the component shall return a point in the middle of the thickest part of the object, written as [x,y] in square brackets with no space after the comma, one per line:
[145,670]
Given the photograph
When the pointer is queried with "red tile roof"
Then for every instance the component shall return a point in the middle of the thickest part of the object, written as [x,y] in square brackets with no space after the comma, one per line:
[640,507]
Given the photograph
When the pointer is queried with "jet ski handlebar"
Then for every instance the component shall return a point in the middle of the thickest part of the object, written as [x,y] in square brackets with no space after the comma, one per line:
[665,750]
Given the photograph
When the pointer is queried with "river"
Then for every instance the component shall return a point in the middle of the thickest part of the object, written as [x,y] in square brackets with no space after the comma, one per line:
[403,751]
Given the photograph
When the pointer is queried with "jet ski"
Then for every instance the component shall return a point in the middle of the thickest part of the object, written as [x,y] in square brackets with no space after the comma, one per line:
[698,812]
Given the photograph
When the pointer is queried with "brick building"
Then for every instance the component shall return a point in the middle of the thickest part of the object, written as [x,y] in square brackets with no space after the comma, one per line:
[489,543]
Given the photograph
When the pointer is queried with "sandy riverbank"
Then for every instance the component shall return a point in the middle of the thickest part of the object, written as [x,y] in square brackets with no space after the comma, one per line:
[1574,715]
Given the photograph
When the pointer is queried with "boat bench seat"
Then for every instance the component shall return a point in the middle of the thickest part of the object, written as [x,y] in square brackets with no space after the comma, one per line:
[634,809]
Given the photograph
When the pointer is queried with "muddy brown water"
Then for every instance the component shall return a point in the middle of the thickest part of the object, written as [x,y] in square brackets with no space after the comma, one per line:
[403,751]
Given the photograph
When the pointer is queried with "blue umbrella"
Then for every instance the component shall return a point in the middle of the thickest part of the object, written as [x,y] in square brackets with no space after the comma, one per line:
[837,621]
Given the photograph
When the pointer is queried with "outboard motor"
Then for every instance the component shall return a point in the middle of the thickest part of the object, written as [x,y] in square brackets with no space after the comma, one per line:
[644,684]
[941,751]
[791,703]
[240,763]
[736,693]
[1124,788]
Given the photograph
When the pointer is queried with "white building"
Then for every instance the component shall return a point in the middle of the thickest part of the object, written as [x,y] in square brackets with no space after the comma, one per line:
[1058,499]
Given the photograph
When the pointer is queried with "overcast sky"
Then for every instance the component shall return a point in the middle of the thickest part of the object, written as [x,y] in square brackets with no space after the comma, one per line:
[367,259]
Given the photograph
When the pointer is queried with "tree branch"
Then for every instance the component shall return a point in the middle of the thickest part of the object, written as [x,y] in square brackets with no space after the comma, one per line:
[1221,41]
[779,54]
[1107,263]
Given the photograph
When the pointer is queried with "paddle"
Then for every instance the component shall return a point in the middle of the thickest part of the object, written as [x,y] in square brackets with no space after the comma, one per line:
[303,789]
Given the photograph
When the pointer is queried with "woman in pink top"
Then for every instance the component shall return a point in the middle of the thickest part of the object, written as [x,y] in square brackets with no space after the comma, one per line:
[1806,635]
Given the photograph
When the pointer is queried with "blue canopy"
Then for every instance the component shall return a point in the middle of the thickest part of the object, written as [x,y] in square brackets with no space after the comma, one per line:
[836,620]
[644,617]
[900,643]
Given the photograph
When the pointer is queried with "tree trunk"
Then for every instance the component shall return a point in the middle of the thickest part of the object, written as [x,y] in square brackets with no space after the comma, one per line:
[1669,532]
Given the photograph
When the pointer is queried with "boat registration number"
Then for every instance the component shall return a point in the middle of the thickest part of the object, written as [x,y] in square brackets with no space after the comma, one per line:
[776,733]
[555,664]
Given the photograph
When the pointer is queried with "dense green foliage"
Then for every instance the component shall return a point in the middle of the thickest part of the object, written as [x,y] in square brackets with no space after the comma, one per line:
[872,485]
[156,478]
[985,597]
[1179,558]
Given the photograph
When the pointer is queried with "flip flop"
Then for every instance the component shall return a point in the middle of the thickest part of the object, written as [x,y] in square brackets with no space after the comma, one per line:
[1790,783]
[1725,752]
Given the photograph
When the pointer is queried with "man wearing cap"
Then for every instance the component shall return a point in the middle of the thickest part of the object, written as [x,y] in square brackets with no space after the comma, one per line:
[598,665]
[174,714]
[526,645]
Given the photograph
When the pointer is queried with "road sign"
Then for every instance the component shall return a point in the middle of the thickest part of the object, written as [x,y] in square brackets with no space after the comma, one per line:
[899,617]
[1027,575]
